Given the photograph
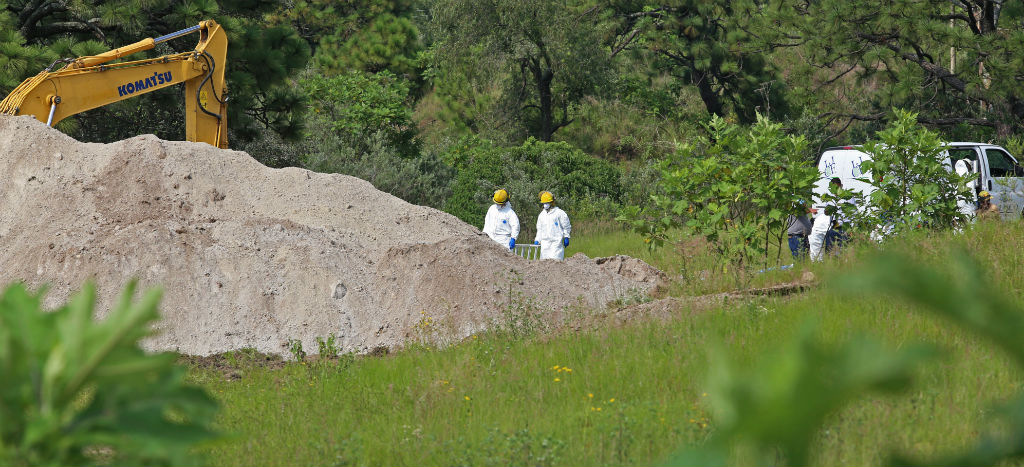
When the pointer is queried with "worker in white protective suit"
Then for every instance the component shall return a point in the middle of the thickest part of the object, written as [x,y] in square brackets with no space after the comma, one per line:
[829,228]
[553,228]
[816,240]
[502,223]
[966,206]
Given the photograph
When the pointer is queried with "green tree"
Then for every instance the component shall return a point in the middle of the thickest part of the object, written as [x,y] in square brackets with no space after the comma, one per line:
[734,186]
[914,186]
[357,105]
[705,44]
[544,56]
[366,35]
[388,43]
[952,62]
[361,125]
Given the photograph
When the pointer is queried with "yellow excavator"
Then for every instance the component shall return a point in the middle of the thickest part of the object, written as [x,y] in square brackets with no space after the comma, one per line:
[88,82]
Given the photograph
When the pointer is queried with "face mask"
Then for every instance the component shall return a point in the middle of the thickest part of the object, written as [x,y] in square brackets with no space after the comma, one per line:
[546,206]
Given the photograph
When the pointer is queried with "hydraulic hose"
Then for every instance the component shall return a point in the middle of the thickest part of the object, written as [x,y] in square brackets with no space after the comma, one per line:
[213,66]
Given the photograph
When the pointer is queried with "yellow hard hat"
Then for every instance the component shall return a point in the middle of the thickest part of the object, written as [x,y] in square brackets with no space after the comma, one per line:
[500,196]
[984,194]
[546,197]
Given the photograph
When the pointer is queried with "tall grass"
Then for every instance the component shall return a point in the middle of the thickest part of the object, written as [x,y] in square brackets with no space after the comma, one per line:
[691,265]
[622,395]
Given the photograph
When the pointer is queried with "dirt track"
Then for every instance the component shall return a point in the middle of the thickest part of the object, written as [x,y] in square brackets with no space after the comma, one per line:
[250,256]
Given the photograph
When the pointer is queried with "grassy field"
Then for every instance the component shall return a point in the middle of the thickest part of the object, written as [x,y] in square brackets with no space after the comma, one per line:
[617,395]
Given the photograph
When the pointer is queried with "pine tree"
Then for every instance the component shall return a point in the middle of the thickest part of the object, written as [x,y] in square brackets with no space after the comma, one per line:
[704,44]
[543,56]
[954,62]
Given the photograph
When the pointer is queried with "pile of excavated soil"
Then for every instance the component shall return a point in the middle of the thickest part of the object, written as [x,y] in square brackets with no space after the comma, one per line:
[250,256]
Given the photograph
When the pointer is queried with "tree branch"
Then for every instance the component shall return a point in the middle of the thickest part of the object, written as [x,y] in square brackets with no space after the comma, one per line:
[589,11]
[958,120]
[28,29]
[620,47]
[557,125]
[653,13]
[68,26]
[26,12]
[939,72]
[972,22]
[963,18]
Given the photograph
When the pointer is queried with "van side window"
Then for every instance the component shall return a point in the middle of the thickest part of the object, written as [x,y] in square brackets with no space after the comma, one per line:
[999,163]
[956,154]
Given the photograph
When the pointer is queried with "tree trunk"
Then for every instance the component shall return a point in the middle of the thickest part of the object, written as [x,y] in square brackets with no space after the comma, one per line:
[707,94]
[542,79]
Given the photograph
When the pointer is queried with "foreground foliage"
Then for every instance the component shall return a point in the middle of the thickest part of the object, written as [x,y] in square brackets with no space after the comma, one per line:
[781,406]
[81,392]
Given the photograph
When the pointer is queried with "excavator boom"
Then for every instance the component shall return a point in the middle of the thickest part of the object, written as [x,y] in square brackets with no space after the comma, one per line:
[89,82]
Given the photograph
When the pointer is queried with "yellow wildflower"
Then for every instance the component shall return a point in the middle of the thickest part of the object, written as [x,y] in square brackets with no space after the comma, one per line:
[467,397]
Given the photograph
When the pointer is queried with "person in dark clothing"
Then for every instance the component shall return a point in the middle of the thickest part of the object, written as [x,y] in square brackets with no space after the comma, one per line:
[799,229]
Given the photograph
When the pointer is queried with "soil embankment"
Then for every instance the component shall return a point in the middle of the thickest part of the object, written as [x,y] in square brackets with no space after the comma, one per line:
[250,256]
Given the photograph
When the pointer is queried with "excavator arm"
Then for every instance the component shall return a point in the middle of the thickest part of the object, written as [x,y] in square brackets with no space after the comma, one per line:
[85,83]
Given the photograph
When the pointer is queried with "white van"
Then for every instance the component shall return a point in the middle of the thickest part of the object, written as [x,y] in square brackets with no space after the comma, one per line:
[1001,174]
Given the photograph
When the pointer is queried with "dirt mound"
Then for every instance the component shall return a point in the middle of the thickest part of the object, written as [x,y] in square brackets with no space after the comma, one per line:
[250,256]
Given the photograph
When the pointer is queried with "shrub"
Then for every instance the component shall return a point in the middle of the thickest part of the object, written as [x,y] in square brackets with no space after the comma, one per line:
[81,392]
[735,187]
[420,180]
[576,179]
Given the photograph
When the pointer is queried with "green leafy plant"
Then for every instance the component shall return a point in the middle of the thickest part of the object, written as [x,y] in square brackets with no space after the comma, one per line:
[82,392]
[327,348]
[520,318]
[295,348]
[735,187]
